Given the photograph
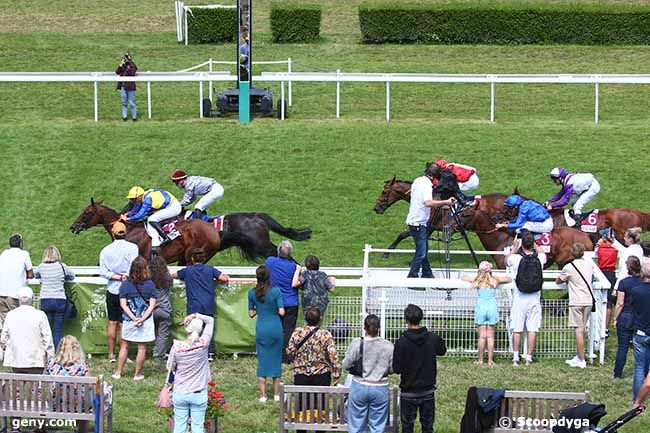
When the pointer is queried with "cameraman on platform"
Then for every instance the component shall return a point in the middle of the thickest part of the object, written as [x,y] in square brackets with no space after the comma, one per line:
[127,68]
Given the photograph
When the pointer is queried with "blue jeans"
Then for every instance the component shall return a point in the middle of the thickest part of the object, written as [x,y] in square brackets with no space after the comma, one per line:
[641,361]
[128,98]
[624,337]
[190,405]
[420,236]
[368,408]
[54,309]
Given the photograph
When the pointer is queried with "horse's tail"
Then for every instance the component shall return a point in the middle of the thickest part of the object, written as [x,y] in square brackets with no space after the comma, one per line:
[297,234]
[248,248]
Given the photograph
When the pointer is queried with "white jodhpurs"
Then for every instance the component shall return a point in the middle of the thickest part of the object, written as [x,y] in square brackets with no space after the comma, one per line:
[586,197]
[472,183]
[172,210]
[539,227]
[215,193]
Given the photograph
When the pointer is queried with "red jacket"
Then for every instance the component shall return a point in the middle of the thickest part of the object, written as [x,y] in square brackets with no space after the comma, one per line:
[127,70]
[607,256]
[462,172]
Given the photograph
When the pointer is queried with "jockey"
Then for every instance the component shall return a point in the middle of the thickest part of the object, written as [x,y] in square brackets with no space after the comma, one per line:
[531,216]
[210,189]
[585,185]
[466,175]
[161,204]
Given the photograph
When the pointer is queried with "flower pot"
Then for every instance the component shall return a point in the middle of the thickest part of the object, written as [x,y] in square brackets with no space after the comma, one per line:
[211,425]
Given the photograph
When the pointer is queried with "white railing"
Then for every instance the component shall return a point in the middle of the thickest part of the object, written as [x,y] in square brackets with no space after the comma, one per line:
[333,77]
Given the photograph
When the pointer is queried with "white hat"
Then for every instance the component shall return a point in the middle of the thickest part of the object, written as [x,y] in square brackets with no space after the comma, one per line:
[25,292]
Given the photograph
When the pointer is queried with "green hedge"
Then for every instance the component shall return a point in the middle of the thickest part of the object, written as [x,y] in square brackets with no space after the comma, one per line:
[208,26]
[475,23]
[295,22]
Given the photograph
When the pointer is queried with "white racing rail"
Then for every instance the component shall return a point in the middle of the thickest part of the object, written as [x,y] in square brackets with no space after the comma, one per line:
[337,77]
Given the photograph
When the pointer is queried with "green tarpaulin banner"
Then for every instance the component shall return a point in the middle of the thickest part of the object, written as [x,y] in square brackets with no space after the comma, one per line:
[234,333]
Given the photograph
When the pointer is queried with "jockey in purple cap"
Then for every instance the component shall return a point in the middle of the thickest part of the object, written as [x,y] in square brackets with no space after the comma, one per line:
[584,185]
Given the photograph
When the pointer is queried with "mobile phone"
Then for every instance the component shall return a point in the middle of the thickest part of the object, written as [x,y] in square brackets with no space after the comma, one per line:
[606,233]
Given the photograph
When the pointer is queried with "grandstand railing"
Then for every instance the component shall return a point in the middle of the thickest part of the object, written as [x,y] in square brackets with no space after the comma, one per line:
[337,77]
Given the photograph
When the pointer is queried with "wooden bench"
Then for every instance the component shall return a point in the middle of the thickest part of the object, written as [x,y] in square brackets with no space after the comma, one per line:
[534,405]
[323,408]
[37,396]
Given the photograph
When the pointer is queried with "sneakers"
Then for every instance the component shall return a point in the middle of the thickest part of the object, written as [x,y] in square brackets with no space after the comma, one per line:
[112,360]
[515,362]
[276,397]
[263,399]
[572,360]
[116,376]
[577,363]
[138,377]
[210,357]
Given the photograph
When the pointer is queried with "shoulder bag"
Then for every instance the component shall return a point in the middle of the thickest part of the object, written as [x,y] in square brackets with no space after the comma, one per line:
[70,308]
[593,299]
[357,365]
[291,357]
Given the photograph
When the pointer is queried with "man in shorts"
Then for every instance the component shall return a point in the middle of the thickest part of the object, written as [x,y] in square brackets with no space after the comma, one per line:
[578,275]
[526,312]
[114,265]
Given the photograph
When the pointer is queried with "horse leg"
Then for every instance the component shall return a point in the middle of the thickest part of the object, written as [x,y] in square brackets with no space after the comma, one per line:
[400,237]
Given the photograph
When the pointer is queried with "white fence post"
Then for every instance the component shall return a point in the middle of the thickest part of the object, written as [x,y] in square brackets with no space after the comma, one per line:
[387,101]
[282,100]
[492,102]
[96,102]
[149,99]
[210,82]
[382,313]
[201,99]
[596,114]
[289,70]
[338,94]
[364,286]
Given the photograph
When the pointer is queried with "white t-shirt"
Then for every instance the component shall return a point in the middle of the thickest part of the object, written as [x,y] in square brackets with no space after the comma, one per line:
[513,265]
[579,292]
[14,264]
[581,182]
[421,190]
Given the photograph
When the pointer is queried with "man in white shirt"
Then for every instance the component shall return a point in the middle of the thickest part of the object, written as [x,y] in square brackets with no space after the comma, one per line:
[418,219]
[578,274]
[114,265]
[26,337]
[526,311]
[15,269]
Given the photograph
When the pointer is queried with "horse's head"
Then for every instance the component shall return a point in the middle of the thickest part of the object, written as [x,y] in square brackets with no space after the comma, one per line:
[394,190]
[91,216]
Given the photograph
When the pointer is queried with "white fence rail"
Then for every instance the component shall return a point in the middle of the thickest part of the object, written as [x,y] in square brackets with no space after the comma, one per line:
[334,77]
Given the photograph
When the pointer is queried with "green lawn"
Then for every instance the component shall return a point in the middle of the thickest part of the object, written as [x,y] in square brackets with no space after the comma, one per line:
[135,402]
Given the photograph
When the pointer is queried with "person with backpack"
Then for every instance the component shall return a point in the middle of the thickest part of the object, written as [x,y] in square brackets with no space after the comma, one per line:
[315,285]
[578,274]
[526,261]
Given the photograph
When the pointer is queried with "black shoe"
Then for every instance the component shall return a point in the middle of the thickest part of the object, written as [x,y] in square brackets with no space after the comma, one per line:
[135,119]
[161,232]
[125,119]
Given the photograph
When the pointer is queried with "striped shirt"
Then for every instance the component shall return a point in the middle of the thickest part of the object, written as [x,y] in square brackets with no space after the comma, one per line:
[116,258]
[196,185]
[189,362]
[53,277]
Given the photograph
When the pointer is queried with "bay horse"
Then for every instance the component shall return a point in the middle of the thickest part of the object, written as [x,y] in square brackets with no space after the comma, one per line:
[493,239]
[396,190]
[194,234]
[619,219]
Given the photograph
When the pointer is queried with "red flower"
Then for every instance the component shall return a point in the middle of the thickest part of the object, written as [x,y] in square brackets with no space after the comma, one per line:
[212,383]
[218,394]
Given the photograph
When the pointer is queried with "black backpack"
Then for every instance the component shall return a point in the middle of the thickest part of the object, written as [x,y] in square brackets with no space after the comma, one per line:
[529,275]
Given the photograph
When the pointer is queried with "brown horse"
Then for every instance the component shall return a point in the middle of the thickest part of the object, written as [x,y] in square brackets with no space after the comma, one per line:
[396,190]
[493,239]
[194,234]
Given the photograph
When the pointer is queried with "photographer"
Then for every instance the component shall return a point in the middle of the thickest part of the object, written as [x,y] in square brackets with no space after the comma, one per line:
[127,68]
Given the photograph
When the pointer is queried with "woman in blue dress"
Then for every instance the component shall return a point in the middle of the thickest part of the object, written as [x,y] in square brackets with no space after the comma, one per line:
[265,302]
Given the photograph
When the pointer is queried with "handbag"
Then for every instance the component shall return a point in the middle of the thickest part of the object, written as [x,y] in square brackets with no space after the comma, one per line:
[70,312]
[165,397]
[593,299]
[357,365]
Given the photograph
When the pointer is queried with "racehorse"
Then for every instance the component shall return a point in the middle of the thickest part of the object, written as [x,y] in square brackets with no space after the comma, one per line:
[619,219]
[396,190]
[493,239]
[248,231]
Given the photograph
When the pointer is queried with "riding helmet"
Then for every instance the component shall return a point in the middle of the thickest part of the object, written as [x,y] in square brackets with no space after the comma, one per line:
[513,201]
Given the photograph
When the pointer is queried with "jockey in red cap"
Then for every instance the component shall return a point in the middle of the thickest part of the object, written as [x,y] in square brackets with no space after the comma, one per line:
[194,186]
[466,175]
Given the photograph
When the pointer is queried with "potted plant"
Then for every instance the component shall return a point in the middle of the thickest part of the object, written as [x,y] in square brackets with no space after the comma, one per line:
[217,407]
